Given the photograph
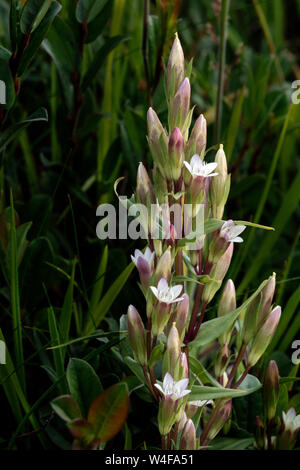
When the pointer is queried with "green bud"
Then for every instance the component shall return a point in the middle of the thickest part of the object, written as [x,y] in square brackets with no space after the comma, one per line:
[137,335]
[267,295]
[175,68]
[217,273]
[250,324]
[158,142]
[270,390]
[176,153]
[220,185]
[188,436]
[197,141]
[226,305]
[264,336]
[166,414]
[259,433]
[222,360]
[181,315]
[144,189]
[222,413]
[179,109]
[173,352]
[164,267]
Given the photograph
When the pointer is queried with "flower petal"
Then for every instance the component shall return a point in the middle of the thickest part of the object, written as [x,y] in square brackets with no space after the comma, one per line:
[163,284]
[176,290]
[182,384]
[155,291]
[159,387]
[237,240]
[188,167]
[209,167]
[168,380]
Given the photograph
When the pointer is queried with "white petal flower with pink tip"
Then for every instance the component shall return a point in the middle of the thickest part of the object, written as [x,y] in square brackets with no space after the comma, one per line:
[166,294]
[230,231]
[170,388]
[147,256]
[197,167]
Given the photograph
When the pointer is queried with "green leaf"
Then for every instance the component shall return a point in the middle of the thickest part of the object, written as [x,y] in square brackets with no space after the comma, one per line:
[100,278]
[228,443]
[87,10]
[135,368]
[84,384]
[202,392]
[250,384]
[109,411]
[96,26]
[37,36]
[99,59]
[234,125]
[9,134]
[32,13]
[212,329]
[98,314]
[57,353]
[15,297]
[66,313]
[201,373]
[66,407]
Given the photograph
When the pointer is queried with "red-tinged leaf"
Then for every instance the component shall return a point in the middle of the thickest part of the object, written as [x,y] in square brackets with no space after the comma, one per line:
[66,407]
[108,411]
[81,429]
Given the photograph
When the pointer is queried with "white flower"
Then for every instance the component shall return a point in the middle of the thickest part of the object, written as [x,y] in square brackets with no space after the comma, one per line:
[197,167]
[200,403]
[230,231]
[148,256]
[291,420]
[167,294]
[173,389]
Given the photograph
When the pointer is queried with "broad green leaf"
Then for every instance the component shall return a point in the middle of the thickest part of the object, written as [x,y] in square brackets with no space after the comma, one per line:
[66,407]
[201,373]
[135,368]
[37,36]
[32,13]
[9,134]
[212,329]
[200,392]
[84,384]
[99,59]
[250,384]
[228,443]
[109,411]
[87,10]
[96,26]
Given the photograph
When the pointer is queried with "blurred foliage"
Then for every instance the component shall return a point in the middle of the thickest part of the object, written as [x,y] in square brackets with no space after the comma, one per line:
[79,77]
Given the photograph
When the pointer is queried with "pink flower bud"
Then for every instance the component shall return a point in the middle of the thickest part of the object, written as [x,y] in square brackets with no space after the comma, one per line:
[144,189]
[175,68]
[222,414]
[220,185]
[183,367]
[264,336]
[158,142]
[137,335]
[182,311]
[180,106]
[270,390]
[197,140]
[176,153]
[173,352]
[188,436]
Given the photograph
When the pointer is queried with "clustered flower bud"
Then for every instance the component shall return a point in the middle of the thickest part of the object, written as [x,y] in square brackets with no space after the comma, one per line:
[181,252]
